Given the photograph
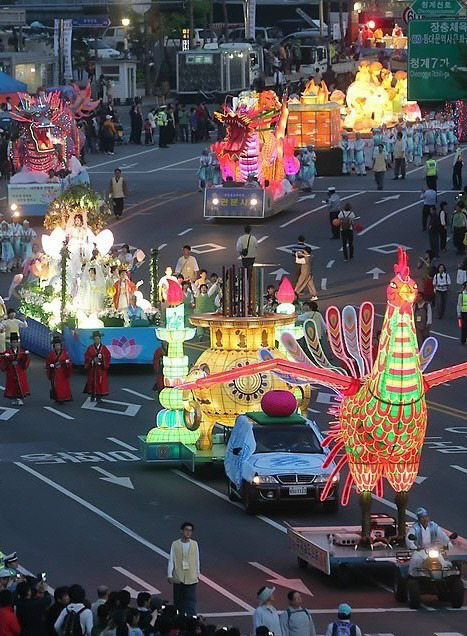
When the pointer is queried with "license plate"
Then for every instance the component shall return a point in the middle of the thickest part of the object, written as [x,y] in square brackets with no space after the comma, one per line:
[297,490]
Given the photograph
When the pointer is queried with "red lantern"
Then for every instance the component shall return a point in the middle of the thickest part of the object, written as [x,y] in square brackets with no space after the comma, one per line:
[285,293]
[279,403]
[174,293]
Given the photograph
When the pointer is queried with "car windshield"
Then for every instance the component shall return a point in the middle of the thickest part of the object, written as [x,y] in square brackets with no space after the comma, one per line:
[286,439]
[274,33]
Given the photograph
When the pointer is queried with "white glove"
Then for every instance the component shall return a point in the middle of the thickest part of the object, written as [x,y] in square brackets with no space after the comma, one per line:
[52,366]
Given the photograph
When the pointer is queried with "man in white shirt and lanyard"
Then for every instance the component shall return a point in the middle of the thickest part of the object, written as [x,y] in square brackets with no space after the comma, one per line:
[427,534]
[247,247]
[183,570]
[117,192]
[187,265]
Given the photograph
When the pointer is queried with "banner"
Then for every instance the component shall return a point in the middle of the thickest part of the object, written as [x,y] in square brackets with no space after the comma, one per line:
[67,37]
[33,198]
[249,9]
[127,345]
[437,59]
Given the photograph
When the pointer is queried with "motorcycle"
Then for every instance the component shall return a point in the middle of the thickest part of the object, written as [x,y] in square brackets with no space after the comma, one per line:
[436,575]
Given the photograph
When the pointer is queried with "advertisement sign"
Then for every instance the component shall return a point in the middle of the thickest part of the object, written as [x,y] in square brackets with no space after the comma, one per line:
[234,202]
[437,59]
[32,199]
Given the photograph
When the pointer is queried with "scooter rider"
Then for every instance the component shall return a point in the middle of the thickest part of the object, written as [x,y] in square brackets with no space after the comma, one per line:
[427,534]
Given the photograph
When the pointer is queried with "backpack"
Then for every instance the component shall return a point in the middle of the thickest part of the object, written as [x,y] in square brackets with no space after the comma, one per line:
[343,628]
[346,223]
[72,623]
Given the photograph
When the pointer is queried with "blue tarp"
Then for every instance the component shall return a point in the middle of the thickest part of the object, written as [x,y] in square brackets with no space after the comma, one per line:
[8,84]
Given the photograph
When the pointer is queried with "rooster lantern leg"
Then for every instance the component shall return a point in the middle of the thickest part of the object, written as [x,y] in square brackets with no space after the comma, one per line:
[380,412]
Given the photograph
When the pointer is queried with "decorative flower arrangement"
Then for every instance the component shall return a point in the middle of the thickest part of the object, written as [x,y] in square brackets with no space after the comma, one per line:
[111,313]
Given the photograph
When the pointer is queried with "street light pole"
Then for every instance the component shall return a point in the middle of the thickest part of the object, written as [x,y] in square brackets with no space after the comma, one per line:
[125,24]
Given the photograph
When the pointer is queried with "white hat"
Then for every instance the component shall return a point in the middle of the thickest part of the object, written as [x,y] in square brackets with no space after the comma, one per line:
[108,116]
[265,594]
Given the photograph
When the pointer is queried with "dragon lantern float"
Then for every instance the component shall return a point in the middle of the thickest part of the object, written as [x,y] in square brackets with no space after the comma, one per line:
[381,412]
[255,142]
[48,137]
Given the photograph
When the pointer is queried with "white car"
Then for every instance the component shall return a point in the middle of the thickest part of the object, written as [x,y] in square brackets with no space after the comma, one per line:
[277,459]
[104,52]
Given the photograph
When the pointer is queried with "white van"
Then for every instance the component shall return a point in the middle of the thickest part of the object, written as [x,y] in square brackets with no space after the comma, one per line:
[277,459]
[114,36]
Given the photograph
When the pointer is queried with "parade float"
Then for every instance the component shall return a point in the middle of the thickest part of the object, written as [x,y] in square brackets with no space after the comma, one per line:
[379,417]
[48,139]
[255,157]
[237,332]
[79,283]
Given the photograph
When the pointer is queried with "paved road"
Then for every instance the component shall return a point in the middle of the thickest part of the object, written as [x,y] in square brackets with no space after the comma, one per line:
[61,509]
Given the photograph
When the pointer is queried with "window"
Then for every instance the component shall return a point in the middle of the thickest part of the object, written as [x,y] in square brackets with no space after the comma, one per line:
[286,439]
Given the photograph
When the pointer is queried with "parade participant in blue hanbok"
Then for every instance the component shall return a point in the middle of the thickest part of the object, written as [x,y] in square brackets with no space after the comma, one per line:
[7,254]
[346,153]
[307,170]
[204,169]
[377,140]
[215,174]
[418,146]
[443,132]
[437,131]
[451,135]
[27,239]
[359,151]
[409,141]
[16,236]
[429,137]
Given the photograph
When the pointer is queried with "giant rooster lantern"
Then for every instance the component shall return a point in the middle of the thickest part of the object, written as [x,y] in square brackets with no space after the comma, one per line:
[381,411]
[48,133]
[255,142]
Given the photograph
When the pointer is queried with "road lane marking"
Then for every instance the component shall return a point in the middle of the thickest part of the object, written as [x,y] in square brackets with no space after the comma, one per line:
[150,207]
[321,207]
[114,479]
[120,443]
[171,165]
[324,283]
[161,246]
[221,495]
[392,505]
[141,395]
[120,159]
[146,587]
[330,264]
[131,409]
[6,412]
[463,470]
[185,231]
[391,214]
[282,581]
[263,238]
[447,410]
[128,531]
[57,412]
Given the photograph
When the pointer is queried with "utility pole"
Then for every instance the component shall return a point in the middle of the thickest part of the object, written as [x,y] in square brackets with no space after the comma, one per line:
[192,22]
[147,86]
[321,18]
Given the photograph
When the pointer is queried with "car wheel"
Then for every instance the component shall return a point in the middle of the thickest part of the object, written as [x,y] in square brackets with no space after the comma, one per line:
[331,506]
[400,587]
[413,592]
[249,501]
[457,592]
[230,491]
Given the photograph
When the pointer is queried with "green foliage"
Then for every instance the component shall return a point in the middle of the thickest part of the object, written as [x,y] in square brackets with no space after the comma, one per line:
[78,199]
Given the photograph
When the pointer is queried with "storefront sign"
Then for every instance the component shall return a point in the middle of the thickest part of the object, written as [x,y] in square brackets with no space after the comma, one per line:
[437,59]
[234,202]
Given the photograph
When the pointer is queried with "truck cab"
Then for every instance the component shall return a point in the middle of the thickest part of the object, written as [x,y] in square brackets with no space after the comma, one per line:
[272,459]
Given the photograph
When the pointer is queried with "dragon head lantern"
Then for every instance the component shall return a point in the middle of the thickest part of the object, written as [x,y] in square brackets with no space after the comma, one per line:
[255,142]
[48,133]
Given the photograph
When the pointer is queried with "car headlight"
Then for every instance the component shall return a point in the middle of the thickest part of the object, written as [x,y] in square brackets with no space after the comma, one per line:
[215,201]
[253,201]
[264,479]
[321,479]
[433,554]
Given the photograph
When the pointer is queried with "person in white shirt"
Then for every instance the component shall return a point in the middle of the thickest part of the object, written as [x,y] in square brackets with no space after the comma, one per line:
[12,324]
[429,197]
[183,570]
[441,284]
[187,265]
[399,153]
[266,614]
[347,218]
[247,247]
[421,536]
[102,596]
[163,285]
[77,607]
